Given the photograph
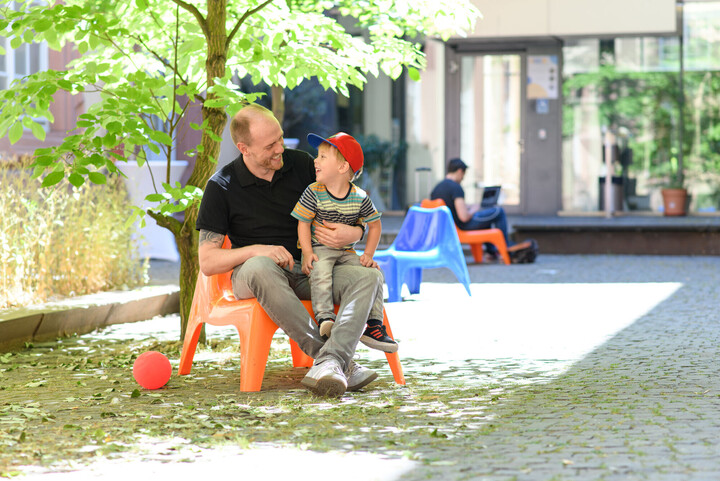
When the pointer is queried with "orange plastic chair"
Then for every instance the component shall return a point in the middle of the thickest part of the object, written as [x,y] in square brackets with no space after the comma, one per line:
[214,303]
[476,238]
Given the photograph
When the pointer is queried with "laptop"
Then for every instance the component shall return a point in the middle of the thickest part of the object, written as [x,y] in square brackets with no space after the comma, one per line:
[490,196]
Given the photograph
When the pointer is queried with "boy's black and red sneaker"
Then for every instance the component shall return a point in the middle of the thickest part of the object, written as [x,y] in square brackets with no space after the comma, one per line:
[375,336]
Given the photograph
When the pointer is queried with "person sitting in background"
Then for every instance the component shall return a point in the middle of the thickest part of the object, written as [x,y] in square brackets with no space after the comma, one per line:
[472,217]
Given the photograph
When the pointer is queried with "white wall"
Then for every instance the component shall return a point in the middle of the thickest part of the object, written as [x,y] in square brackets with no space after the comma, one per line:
[529,18]
[377,107]
[425,113]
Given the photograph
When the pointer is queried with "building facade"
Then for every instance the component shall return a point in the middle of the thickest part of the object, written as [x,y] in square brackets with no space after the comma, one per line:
[536,96]
[527,100]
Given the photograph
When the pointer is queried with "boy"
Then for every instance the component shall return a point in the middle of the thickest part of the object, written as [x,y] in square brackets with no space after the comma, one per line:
[334,198]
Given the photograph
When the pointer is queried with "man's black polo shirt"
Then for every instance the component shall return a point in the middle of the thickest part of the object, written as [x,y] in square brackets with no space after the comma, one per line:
[253,211]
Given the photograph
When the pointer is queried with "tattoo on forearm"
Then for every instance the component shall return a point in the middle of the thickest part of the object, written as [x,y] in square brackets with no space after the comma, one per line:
[210,237]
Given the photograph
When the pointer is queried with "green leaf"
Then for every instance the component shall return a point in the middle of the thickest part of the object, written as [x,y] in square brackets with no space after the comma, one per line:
[38,131]
[76,179]
[42,24]
[16,132]
[135,393]
[53,178]
[162,137]
[414,74]
[155,197]
[97,178]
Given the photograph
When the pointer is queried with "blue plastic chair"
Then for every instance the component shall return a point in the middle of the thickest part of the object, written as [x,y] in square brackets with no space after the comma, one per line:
[427,239]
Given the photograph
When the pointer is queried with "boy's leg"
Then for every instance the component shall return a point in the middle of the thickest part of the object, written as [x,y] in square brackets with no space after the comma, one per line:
[321,288]
[354,290]
[321,282]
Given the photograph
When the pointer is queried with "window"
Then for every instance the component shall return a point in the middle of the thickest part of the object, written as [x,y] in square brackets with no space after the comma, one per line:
[22,61]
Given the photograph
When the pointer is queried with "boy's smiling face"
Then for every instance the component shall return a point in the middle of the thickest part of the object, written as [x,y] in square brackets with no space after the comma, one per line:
[329,166]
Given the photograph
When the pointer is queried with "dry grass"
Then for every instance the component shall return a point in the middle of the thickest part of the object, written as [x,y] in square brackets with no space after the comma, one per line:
[62,241]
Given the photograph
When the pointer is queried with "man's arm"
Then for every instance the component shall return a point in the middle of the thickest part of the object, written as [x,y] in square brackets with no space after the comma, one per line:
[464,212]
[335,235]
[214,259]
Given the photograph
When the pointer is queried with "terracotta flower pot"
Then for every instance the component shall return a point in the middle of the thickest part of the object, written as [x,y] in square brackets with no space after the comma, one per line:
[674,201]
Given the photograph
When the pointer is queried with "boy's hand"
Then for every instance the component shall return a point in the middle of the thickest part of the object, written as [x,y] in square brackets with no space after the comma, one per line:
[307,263]
[367,261]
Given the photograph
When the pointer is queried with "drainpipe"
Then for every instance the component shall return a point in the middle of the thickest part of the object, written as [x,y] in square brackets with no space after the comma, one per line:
[609,199]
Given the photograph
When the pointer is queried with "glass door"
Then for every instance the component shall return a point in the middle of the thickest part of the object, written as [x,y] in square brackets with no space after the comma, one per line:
[491,141]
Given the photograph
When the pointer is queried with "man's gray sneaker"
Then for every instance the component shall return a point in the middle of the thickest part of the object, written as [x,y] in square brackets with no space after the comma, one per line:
[358,377]
[326,378]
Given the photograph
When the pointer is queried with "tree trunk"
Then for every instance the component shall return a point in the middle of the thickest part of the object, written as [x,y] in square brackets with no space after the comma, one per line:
[189,269]
[208,153]
[278,103]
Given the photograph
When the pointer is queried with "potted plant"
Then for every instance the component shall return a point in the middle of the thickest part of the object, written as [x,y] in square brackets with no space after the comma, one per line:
[675,195]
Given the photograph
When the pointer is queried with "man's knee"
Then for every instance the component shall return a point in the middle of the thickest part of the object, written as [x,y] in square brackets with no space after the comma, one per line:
[351,276]
[256,268]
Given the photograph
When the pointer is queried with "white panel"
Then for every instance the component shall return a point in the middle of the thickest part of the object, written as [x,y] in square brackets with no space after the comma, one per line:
[578,17]
[511,18]
[540,18]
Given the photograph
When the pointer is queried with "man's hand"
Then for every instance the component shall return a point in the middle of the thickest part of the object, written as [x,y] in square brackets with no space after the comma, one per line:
[336,235]
[278,254]
[307,262]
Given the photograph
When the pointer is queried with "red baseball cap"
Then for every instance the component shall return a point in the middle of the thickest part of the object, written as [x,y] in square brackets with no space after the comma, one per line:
[346,144]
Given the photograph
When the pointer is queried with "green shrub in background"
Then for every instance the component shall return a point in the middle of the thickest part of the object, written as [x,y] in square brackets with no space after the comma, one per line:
[64,241]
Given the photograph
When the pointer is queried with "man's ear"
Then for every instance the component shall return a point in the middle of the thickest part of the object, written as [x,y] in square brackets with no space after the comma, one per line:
[242,147]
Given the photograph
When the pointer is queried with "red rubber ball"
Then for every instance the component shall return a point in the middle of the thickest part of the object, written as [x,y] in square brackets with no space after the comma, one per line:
[152,370]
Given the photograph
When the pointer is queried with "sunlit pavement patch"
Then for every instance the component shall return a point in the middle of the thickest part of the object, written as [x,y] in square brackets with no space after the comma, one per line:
[519,321]
[260,462]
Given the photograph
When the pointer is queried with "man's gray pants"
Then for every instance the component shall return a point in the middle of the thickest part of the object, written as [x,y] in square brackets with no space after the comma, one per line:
[279,291]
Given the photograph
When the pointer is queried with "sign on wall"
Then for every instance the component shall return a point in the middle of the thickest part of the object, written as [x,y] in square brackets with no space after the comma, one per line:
[542,77]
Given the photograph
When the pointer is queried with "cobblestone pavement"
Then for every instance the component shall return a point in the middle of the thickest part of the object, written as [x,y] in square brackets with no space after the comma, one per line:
[606,367]
[629,388]
[572,368]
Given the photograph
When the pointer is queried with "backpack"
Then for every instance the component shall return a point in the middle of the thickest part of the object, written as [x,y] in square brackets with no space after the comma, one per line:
[526,255]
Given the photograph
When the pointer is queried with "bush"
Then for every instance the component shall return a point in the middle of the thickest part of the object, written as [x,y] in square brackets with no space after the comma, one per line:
[63,241]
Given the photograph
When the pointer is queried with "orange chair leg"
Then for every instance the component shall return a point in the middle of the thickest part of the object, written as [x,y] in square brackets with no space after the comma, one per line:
[505,256]
[300,359]
[254,349]
[192,335]
[392,358]
[477,252]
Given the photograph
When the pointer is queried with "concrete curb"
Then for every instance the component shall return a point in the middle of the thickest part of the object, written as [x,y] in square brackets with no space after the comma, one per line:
[84,314]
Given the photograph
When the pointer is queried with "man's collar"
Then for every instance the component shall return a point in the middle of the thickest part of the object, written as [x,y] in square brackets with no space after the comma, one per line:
[245,177]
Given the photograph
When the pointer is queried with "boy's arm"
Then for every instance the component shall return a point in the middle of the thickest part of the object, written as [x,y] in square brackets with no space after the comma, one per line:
[305,241]
[304,237]
[374,229]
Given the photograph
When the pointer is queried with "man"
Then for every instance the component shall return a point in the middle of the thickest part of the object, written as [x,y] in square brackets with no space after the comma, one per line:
[471,217]
[250,201]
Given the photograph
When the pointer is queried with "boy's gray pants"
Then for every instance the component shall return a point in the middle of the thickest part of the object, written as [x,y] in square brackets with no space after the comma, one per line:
[321,281]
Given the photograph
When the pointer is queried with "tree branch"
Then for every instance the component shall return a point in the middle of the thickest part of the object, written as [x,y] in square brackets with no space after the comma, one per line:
[168,222]
[242,19]
[198,16]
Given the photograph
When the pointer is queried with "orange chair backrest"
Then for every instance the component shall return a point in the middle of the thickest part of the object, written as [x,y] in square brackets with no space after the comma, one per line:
[431,204]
